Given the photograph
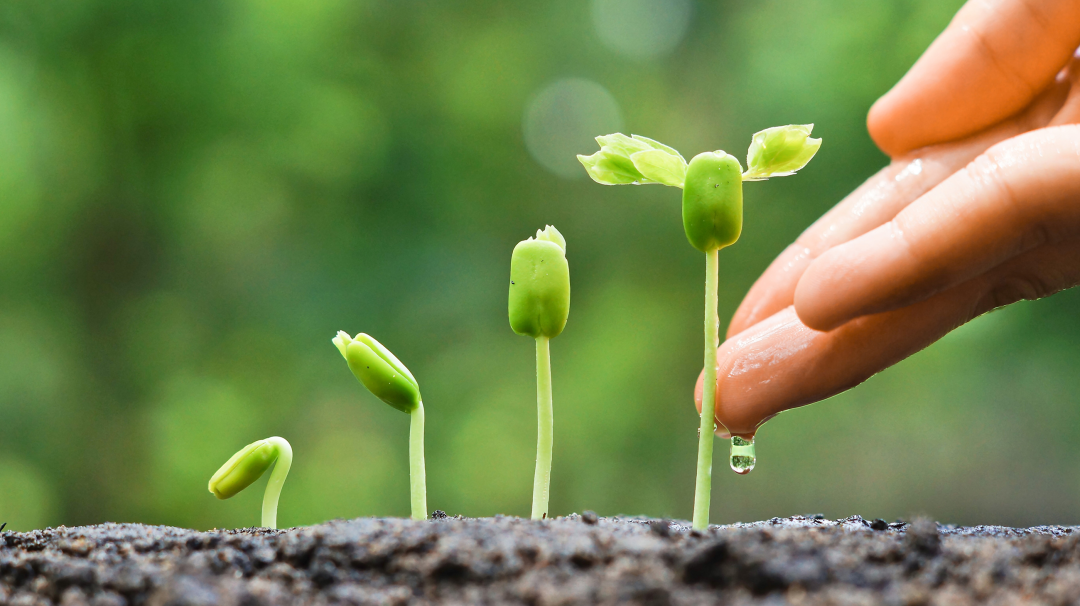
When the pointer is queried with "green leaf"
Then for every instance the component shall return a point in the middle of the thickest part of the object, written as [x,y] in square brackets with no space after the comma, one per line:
[620,144]
[659,145]
[780,151]
[608,169]
[550,234]
[661,166]
[634,160]
[342,341]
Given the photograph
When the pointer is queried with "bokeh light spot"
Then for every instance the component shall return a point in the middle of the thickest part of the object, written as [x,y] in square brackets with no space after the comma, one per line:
[561,121]
[641,29]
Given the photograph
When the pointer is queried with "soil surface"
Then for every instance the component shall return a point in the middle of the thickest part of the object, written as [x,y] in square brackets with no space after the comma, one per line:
[572,560]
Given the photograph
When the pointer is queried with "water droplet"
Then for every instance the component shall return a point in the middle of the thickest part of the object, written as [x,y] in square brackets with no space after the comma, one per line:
[743,457]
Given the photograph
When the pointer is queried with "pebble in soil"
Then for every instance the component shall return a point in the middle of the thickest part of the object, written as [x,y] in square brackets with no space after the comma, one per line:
[573,560]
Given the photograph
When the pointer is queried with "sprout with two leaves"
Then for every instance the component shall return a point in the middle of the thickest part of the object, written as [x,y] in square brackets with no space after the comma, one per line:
[388,379]
[539,306]
[712,218]
[248,465]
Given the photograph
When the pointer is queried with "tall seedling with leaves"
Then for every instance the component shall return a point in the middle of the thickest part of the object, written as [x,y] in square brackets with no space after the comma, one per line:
[712,218]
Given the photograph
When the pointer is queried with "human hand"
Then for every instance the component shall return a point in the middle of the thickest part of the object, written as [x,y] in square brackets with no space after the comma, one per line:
[979,208]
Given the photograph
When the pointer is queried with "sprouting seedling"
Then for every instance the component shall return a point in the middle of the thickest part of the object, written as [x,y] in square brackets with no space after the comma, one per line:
[712,218]
[539,306]
[248,465]
[388,379]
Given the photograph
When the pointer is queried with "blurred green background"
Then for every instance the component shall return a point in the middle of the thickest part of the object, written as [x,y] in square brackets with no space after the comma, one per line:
[195,195]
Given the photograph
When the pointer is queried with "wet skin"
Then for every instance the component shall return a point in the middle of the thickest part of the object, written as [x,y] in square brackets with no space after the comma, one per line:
[979,208]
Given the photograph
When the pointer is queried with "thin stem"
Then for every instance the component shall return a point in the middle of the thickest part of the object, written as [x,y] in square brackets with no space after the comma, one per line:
[277,480]
[703,488]
[542,477]
[417,471]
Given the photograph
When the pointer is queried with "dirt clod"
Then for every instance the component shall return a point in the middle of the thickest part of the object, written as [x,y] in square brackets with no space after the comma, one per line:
[661,528]
[450,559]
[923,537]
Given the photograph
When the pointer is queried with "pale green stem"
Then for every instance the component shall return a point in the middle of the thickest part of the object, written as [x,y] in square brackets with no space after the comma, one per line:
[277,480]
[417,472]
[542,477]
[703,488]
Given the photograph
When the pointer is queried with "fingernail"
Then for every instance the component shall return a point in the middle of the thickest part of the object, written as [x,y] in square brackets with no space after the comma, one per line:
[721,431]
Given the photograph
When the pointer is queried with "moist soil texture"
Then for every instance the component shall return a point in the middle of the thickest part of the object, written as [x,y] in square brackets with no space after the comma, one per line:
[577,559]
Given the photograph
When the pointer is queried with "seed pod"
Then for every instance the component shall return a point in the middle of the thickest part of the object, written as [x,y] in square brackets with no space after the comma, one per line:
[242,469]
[379,370]
[540,285]
[712,201]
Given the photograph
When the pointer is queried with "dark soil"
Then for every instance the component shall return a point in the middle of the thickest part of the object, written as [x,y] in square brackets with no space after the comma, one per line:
[572,560]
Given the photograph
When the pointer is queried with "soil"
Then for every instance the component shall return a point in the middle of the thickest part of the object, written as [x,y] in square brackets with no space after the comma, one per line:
[573,560]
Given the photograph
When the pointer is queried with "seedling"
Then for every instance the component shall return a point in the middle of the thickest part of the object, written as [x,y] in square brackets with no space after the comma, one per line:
[248,465]
[712,218]
[388,379]
[539,306]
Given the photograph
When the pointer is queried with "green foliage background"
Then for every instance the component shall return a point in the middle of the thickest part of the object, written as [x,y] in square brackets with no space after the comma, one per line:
[195,195]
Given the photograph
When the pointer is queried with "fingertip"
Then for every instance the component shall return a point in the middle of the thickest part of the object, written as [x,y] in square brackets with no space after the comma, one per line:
[853,279]
[815,308]
[747,367]
[879,120]
[816,318]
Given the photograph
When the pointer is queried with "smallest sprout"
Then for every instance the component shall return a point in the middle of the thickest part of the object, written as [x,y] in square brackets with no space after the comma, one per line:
[248,465]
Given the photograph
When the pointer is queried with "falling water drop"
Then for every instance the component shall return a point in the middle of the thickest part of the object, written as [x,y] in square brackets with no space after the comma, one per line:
[743,458]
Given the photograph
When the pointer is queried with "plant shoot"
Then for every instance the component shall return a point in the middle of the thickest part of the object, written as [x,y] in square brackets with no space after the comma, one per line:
[712,219]
[248,465]
[539,306]
[390,381]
